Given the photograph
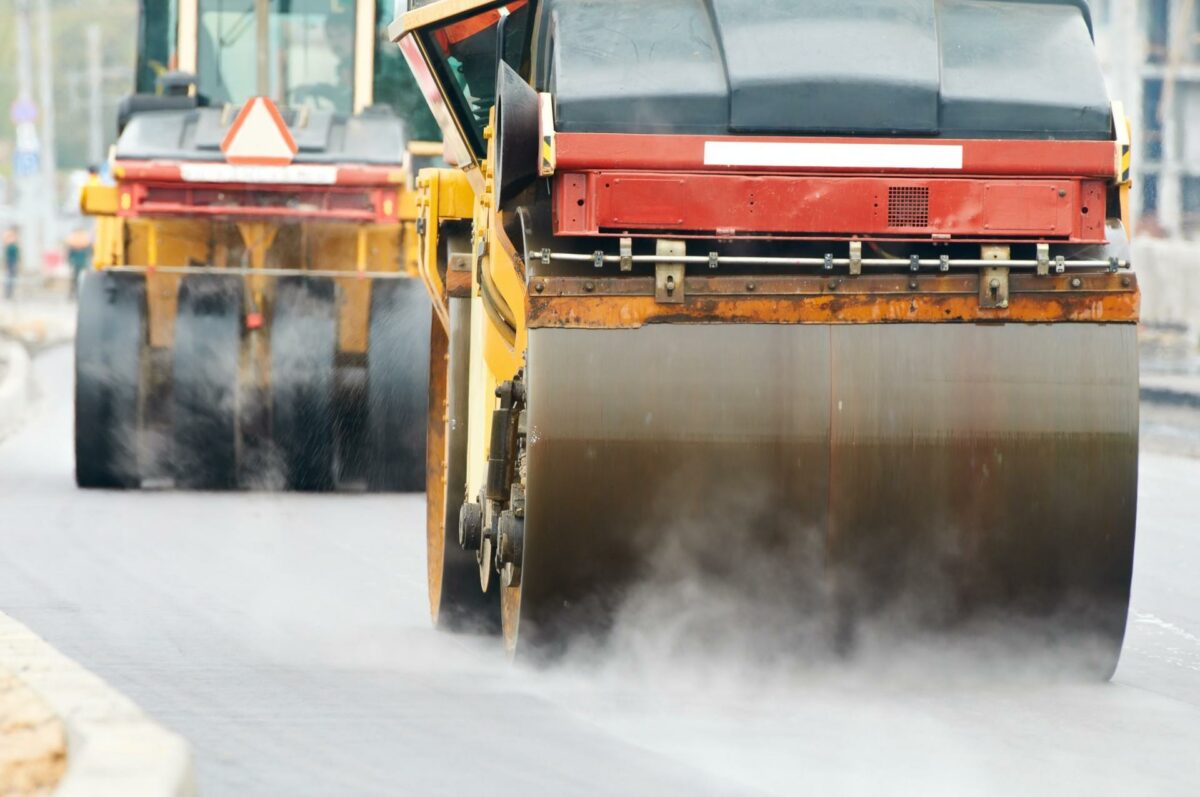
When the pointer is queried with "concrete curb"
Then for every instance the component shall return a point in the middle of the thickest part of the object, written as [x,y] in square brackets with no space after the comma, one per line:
[16,385]
[112,747]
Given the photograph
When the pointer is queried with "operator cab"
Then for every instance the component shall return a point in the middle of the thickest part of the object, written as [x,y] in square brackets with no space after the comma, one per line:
[340,86]
[454,61]
[331,56]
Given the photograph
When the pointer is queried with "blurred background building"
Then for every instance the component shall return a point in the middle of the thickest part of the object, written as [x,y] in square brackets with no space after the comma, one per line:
[1150,51]
[64,66]
[75,59]
[1151,54]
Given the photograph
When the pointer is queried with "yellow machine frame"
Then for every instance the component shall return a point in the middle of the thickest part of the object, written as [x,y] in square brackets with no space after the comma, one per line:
[498,331]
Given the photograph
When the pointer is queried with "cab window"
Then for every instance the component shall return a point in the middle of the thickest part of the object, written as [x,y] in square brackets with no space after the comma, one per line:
[463,52]
[157,25]
[310,52]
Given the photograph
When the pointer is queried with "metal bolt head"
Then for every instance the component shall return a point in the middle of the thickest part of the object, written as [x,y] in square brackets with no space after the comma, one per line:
[994,284]
[1062,192]
[470,526]
[1076,282]
[589,286]
[750,286]
[509,539]
[1126,282]
[912,285]
[539,286]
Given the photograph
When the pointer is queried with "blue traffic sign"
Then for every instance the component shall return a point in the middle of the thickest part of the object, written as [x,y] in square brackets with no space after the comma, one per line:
[25,164]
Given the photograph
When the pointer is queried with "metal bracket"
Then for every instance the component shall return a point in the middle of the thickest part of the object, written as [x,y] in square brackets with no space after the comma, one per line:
[993,280]
[668,277]
[995,252]
[1043,260]
[855,258]
[627,254]
[480,252]
[993,288]
[459,261]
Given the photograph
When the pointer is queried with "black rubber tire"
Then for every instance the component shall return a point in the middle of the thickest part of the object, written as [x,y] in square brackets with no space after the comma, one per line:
[208,338]
[111,331]
[397,385]
[303,349]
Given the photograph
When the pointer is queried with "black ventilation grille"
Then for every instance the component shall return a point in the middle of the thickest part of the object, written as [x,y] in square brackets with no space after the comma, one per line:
[908,206]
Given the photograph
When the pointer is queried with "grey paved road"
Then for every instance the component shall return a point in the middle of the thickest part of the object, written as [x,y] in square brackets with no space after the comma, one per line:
[286,637]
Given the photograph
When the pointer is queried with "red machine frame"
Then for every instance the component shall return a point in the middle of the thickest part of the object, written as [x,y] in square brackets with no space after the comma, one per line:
[988,190]
[360,194]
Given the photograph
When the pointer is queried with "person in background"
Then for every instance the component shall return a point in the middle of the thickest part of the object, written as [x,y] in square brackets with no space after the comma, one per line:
[79,254]
[12,260]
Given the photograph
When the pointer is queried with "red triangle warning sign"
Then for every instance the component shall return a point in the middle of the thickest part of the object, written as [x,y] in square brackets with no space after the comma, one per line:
[259,136]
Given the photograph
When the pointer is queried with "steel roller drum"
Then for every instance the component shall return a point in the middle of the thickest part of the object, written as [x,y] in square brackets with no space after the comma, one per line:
[960,469]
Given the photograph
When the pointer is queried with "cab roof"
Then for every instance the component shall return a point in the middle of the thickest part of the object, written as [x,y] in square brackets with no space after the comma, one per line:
[949,68]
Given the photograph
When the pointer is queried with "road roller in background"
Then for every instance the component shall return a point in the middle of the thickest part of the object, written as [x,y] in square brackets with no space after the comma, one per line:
[254,319]
[844,284]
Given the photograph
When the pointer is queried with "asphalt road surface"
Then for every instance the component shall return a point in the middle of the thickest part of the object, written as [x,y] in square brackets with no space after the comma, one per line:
[287,638]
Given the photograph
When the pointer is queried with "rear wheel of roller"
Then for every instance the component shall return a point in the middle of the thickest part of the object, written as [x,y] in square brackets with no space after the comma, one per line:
[111,333]
[954,476]
[456,600]
[397,385]
[303,348]
[208,330]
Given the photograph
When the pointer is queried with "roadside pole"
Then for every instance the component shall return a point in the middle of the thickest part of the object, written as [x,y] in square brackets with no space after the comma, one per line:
[50,205]
[27,155]
[95,98]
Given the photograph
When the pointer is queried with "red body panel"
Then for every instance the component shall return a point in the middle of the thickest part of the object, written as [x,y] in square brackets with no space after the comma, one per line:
[173,199]
[609,184]
[576,151]
[355,194]
[603,202]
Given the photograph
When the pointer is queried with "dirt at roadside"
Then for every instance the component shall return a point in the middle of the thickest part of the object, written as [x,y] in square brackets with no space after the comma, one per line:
[33,742]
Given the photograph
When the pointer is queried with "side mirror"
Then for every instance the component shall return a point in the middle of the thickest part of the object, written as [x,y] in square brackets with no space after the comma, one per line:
[517,119]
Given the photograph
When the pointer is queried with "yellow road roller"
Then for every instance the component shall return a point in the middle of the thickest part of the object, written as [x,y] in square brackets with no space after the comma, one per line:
[254,318]
[844,283]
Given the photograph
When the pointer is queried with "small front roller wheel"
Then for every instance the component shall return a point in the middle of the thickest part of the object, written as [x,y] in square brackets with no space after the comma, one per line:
[303,348]
[208,338]
[397,385]
[111,332]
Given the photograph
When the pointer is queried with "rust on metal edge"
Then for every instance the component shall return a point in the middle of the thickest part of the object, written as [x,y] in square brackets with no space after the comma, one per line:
[458,284]
[435,458]
[615,312]
[791,286]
